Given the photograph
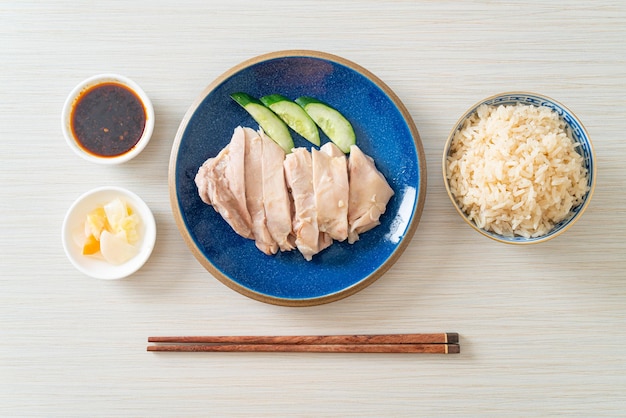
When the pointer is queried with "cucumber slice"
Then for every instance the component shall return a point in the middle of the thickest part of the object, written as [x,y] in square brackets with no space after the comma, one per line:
[273,126]
[294,116]
[330,121]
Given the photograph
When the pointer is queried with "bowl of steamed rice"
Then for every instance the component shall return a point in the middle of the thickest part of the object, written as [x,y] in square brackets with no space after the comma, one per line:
[519,168]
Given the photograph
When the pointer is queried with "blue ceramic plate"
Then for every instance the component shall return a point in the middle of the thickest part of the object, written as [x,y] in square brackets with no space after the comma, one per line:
[384,130]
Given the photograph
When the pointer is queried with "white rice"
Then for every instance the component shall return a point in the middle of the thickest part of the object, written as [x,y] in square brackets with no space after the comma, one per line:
[514,170]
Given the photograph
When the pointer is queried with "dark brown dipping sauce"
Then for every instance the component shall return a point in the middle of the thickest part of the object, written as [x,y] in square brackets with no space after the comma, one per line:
[108,120]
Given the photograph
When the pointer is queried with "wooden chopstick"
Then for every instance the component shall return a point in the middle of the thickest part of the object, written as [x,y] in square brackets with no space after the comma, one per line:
[437,338]
[313,348]
[439,343]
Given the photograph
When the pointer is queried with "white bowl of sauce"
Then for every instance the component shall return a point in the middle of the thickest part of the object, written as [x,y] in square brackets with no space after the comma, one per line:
[107,119]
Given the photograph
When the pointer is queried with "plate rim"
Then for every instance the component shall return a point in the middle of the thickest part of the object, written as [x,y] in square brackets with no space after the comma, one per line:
[345,292]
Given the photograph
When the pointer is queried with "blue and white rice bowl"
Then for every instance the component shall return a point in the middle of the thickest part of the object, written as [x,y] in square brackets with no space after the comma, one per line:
[583,147]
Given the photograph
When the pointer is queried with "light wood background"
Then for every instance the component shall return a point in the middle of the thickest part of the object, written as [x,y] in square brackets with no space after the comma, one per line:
[542,327]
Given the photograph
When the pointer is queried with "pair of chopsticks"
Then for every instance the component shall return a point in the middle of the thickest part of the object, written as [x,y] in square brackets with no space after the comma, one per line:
[439,343]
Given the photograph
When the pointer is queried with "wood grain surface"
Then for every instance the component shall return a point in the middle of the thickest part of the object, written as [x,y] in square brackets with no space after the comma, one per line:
[542,327]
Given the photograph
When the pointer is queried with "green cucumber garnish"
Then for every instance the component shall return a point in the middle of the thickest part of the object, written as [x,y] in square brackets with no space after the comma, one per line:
[273,126]
[294,116]
[330,121]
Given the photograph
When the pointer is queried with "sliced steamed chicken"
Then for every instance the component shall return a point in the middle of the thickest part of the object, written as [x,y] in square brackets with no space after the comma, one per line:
[299,176]
[221,183]
[276,198]
[235,172]
[369,194]
[254,192]
[330,184]
[202,181]
[302,200]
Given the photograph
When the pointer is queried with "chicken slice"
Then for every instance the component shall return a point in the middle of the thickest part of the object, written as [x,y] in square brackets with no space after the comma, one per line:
[299,176]
[276,200]
[235,172]
[331,188]
[254,192]
[202,181]
[223,188]
[369,194]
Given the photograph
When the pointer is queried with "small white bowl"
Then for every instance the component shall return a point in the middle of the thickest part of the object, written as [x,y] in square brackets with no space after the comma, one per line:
[73,226]
[77,93]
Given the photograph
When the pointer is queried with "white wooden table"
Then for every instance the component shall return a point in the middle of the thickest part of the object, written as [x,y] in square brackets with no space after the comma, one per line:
[542,327]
